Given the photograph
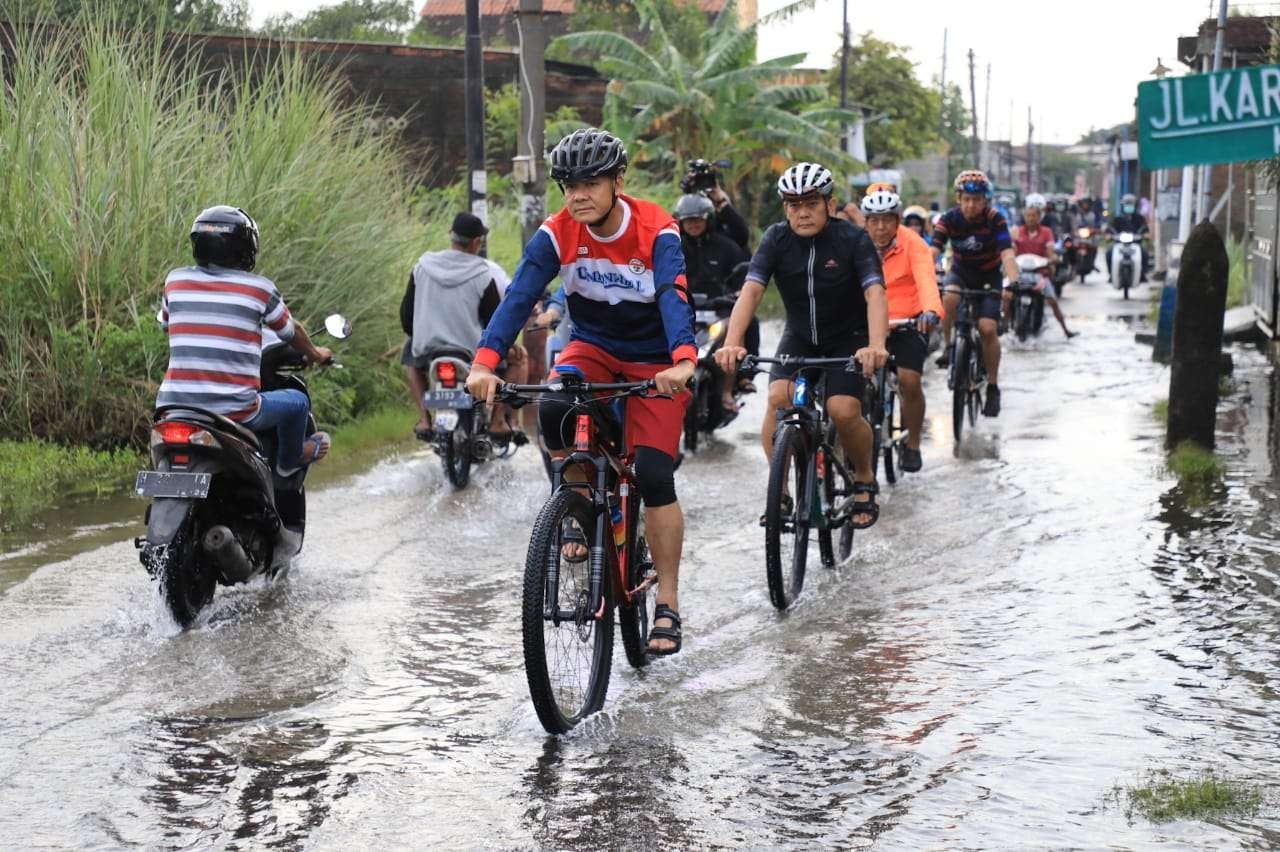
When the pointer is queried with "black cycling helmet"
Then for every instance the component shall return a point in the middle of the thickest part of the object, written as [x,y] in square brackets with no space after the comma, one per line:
[225,236]
[587,153]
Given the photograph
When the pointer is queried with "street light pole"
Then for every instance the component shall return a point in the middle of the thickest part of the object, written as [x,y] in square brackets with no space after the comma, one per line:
[844,72]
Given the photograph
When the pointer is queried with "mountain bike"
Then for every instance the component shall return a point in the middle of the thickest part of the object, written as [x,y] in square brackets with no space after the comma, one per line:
[567,608]
[810,482]
[967,372]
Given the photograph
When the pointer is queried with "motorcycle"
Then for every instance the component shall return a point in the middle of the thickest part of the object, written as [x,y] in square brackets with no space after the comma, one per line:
[1087,251]
[219,511]
[460,433]
[1126,261]
[706,411]
[1026,309]
[1064,272]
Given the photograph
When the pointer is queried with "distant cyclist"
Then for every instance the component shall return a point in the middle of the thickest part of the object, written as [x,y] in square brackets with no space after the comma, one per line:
[620,260]
[912,290]
[828,274]
[980,247]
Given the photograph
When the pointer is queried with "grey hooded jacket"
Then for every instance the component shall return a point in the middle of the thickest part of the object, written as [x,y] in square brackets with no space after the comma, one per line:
[449,299]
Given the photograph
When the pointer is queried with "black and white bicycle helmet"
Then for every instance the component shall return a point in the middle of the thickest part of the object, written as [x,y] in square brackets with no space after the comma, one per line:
[880,199]
[804,179]
[587,153]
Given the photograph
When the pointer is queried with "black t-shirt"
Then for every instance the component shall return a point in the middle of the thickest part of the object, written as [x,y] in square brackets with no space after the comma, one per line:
[708,261]
[821,278]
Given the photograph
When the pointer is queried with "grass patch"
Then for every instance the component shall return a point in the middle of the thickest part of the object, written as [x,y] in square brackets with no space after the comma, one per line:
[1237,285]
[1160,411]
[37,475]
[1197,469]
[387,426]
[1163,797]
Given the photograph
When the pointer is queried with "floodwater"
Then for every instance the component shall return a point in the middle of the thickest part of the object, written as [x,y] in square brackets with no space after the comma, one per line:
[1039,616]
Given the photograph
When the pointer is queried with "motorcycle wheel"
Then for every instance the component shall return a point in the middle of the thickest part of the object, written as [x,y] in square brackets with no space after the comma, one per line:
[457,452]
[695,414]
[185,582]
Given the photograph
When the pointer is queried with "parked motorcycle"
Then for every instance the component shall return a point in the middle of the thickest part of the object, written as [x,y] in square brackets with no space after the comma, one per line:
[1026,310]
[1086,251]
[219,511]
[459,423]
[1126,261]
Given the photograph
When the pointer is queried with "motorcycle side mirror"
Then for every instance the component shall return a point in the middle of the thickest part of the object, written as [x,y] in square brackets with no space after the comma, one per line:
[722,163]
[160,316]
[338,326]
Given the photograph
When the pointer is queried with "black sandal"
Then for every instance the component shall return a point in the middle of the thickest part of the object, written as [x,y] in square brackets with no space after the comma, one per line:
[571,533]
[788,506]
[672,633]
[865,507]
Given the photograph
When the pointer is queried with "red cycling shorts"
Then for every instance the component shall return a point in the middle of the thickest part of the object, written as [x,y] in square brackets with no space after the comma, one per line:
[651,422]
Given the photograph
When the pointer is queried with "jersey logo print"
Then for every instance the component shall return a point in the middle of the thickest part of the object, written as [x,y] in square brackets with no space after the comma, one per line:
[582,250]
[609,280]
[831,264]
[970,243]
[636,265]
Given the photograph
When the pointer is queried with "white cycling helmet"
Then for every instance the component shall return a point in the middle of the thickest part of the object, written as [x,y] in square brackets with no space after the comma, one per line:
[1036,200]
[806,178]
[880,200]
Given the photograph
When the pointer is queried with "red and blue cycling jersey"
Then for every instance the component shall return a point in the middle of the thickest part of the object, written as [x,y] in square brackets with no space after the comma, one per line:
[626,293]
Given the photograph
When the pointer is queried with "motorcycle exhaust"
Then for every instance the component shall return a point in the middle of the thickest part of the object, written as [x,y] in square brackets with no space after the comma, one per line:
[220,543]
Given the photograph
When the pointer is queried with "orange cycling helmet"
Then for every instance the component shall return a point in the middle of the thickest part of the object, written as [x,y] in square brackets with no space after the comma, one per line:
[973,182]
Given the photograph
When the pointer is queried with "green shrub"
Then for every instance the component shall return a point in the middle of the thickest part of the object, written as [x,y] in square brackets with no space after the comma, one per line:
[1163,797]
[1197,469]
[1237,284]
[110,143]
[35,475]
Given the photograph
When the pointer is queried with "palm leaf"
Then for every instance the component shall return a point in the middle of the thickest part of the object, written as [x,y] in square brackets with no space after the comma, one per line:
[617,47]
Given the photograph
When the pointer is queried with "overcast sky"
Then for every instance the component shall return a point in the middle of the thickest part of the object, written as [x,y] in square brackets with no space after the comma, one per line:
[1076,63]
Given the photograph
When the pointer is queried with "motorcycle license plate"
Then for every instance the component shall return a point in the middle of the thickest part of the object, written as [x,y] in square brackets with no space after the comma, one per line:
[707,317]
[436,399]
[155,483]
[446,420]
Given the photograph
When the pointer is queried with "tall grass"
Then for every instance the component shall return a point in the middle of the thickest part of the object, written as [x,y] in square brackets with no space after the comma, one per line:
[110,143]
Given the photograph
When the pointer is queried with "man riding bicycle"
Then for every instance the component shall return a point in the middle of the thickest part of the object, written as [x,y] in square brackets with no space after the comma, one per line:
[1033,237]
[912,291]
[620,260]
[980,246]
[832,287]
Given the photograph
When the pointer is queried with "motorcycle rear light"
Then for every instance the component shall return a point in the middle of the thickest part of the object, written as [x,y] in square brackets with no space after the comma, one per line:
[175,432]
[447,373]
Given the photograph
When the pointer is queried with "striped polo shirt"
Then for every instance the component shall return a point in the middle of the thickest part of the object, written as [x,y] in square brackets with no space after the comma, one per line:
[215,319]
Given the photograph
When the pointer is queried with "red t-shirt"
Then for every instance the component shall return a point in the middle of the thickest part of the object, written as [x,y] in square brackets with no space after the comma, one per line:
[1039,243]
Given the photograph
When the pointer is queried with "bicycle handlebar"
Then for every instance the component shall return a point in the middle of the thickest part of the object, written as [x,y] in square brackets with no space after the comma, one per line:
[850,364]
[508,391]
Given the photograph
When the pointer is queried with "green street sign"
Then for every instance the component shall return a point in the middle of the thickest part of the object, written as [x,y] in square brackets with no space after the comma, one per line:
[1224,117]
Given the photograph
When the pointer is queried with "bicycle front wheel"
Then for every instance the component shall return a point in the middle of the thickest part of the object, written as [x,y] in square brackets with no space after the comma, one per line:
[786,534]
[568,650]
[636,619]
[960,385]
[891,430]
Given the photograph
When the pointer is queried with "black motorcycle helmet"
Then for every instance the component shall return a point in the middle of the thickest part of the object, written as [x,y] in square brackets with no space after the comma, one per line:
[225,236]
[587,153]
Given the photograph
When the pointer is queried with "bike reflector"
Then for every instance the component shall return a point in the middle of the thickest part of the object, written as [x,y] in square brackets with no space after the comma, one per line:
[582,440]
[447,373]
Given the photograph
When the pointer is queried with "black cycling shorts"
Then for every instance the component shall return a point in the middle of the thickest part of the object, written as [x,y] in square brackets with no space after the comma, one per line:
[840,382]
[990,280]
[909,348]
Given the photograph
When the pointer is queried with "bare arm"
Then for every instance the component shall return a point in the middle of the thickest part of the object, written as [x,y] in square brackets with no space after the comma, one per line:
[1007,259]
[301,343]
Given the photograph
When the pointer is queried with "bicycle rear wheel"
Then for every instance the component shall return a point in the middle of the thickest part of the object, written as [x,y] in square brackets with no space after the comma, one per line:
[566,660]
[786,535]
[835,487]
[960,385]
[636,619]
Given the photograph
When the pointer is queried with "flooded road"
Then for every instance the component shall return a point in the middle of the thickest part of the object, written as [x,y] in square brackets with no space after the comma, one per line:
[1039,616]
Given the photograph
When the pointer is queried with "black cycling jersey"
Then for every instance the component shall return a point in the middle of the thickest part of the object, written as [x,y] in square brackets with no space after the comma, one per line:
[821,278]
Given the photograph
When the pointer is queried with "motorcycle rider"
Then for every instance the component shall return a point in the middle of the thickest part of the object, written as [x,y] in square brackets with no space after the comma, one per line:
[1033,237]
[912,291]
[701,178]
[980,247]
[620,260]
[1051,219]
[215,314]
[828,274]
[1129,221]
[709,260]
[450,297]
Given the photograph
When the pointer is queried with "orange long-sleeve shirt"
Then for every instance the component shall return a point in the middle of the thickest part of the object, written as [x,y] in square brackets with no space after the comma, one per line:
[910,281]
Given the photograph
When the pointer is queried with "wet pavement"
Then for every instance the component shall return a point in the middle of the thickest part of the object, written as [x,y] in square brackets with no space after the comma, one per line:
[1040,615]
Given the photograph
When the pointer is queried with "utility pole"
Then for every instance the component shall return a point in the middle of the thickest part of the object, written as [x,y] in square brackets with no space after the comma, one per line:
[942,120]
[1030,150]
[986,123]
[973,107]
[844,73]
[474,113]
[529,168]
